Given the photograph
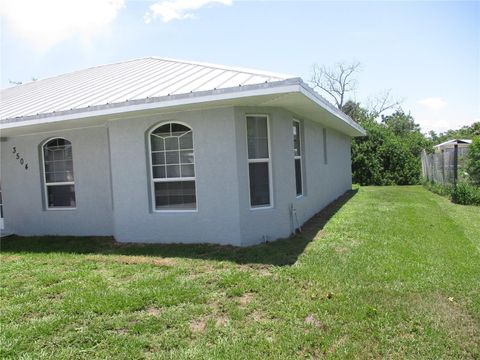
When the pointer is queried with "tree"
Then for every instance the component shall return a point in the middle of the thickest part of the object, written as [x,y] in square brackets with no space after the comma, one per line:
[336,81]
[382,102]
[390,152]
[465,132]
[400,123]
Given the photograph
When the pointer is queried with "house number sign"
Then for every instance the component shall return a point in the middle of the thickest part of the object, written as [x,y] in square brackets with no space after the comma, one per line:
[19,157]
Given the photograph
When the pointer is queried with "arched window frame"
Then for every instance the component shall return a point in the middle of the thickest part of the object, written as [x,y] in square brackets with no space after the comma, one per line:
[153,180]
[47,184]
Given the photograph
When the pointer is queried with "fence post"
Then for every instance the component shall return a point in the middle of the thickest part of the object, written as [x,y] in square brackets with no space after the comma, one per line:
[455,164]
[443,166]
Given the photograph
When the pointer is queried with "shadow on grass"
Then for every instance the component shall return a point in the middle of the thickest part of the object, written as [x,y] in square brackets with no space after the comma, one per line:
[280,253]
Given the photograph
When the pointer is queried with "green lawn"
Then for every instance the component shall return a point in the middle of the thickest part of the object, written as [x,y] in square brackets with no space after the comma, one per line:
[387,272]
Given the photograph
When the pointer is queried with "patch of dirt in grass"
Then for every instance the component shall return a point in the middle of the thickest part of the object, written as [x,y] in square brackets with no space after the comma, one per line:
[133,260]
[260,269]
[221,320]
[153,311]
[313,321]
[55,297]
[121,331]
[198,326]
[258,316]
[10,258]
[245,299]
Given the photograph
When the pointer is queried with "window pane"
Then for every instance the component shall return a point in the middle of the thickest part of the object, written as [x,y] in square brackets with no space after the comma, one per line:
[296,138]
[325,158]
[48,155]
[258,148]
[171,143]
[186,141]
[257,134]
[259,184]
[179,129]
[188,171]
[61,196]
[158,158]
[173,157]
[159,172]
[158,144]
[163,130]
[58,155]
[186,157]
[173,171]
[175,195]
[298,176]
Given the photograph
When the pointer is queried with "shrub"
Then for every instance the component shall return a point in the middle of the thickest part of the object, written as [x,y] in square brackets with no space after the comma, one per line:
[443,190]
[466,194]
[473,161]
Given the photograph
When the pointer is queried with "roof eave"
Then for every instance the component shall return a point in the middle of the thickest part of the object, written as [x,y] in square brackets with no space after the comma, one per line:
[292,85]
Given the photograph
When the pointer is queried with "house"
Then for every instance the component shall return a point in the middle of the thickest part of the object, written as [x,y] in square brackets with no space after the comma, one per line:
[161,150]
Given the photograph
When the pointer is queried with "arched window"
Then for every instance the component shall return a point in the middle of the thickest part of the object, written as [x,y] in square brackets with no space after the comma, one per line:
[173,170]
[58,174]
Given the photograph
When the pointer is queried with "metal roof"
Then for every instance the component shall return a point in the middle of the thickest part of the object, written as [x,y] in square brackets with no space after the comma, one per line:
[125,81]
[454,142]
[150,84]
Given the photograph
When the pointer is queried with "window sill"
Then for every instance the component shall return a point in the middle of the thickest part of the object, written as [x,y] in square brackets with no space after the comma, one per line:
[261,208]
[60,208]
[175,211]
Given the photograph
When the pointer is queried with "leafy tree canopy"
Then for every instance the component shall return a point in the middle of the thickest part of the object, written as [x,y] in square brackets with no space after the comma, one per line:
[390,153]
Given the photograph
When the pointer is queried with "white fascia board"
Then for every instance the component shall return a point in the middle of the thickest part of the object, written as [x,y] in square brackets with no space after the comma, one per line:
[313,96]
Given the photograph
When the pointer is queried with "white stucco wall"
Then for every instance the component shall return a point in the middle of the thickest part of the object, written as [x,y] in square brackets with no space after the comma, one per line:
[24,209]
[322,182]
[216,219]
[223,205]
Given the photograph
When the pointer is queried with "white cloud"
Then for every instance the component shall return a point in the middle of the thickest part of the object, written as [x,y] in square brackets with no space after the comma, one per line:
[45,23]
[433,103]
[169,10]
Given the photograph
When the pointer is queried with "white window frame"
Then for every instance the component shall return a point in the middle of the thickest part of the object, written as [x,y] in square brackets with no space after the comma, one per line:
[177,179]
[46,185]
[299,157]
[263,160]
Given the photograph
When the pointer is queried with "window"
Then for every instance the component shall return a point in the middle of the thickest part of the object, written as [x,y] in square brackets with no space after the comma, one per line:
[297,153]
[258,160]
[58,174]
[173,170]
[325,146]
[1,202]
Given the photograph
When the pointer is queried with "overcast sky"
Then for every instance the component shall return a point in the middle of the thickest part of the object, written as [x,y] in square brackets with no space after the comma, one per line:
[427,53]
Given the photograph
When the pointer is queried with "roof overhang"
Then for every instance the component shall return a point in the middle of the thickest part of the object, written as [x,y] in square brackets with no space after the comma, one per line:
[291,94]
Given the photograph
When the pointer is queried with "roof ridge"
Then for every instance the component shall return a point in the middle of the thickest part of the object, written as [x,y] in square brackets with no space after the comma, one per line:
[227,67]
[197,63]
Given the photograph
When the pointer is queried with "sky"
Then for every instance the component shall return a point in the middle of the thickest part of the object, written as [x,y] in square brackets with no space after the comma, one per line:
[427,52]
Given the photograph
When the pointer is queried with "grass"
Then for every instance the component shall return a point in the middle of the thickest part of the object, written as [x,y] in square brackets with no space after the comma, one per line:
[386,272]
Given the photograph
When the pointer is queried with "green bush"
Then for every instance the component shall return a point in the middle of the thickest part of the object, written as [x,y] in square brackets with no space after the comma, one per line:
[473,161]
[389,154]
[443,190]
[466,194]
